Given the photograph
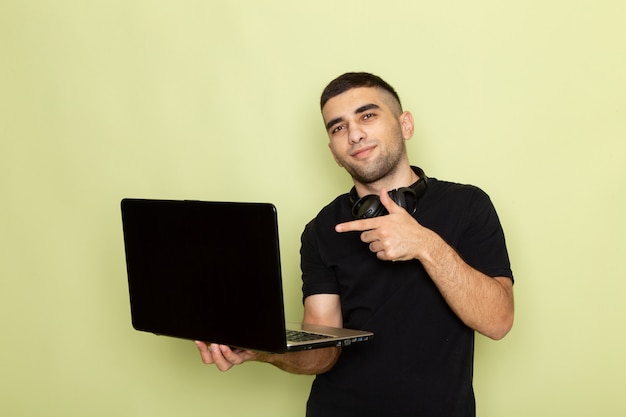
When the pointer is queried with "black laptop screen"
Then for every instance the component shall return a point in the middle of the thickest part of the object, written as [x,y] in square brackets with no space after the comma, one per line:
[205,270]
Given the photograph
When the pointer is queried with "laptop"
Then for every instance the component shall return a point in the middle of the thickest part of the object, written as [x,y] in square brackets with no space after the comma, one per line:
[211,271]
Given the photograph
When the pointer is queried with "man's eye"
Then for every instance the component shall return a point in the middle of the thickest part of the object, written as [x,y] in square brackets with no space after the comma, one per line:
[368,116]
[337,129]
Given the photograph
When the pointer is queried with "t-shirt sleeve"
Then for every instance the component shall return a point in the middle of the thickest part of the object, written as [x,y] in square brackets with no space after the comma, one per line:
[317,277]
[482,244]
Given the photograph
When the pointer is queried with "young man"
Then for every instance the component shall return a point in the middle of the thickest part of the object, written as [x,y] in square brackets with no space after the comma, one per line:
[429,269]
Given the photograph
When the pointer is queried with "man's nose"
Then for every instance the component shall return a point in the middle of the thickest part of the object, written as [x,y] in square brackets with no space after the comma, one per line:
[356,134]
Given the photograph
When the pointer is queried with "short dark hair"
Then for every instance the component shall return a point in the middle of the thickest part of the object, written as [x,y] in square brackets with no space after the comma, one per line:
[351,80]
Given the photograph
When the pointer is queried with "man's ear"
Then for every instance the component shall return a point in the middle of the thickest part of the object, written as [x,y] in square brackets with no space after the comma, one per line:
[408,125]
[330,146]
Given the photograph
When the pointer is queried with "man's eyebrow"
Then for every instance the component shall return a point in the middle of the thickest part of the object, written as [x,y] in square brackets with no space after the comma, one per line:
[357,111]
[333,122]
[366,108]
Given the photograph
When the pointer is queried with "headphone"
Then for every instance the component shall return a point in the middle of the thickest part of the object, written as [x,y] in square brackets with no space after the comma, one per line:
[406,197]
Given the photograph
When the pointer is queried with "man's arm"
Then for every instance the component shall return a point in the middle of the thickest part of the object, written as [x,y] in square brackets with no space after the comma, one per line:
[323,309]
[483,303]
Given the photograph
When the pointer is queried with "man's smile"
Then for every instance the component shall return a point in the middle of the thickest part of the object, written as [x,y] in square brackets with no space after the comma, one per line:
[363,152]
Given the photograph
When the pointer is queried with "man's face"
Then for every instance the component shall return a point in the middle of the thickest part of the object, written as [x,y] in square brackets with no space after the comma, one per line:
[367,132]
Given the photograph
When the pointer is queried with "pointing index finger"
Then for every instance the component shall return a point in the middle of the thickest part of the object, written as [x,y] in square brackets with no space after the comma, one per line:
[354,226]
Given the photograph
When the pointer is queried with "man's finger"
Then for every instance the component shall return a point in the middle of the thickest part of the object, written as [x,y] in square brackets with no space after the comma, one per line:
[217,352]
[231,355]
[355,226]
[389,204]
[205,354]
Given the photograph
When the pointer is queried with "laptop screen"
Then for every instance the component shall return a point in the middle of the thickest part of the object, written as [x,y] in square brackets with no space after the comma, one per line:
[205,271]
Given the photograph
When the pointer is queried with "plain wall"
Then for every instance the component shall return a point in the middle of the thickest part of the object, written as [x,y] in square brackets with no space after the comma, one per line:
[215,100]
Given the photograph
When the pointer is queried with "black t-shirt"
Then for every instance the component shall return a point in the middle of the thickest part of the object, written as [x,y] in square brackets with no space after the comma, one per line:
[420,362]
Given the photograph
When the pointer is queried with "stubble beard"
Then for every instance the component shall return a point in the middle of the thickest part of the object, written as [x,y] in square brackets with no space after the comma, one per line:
[384,165]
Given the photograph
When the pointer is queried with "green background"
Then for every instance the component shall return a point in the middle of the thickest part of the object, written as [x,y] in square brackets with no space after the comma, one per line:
[101,100]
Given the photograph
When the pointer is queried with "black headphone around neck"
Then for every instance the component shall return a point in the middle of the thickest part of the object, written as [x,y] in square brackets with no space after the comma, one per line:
[406,197]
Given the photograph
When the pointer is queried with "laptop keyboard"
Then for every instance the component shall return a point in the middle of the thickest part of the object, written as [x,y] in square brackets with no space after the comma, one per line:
[297,336]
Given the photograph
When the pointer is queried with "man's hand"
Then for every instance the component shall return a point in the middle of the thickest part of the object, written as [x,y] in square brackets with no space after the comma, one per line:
[223,356]
[393,237]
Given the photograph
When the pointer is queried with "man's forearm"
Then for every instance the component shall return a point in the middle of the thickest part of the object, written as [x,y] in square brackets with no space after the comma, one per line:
[306,362]
[483,303]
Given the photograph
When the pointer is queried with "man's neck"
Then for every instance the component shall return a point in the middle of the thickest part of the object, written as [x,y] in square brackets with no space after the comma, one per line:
[404,176]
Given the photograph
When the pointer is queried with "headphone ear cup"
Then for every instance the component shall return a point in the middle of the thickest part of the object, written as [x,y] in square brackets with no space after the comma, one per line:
[371,206]
[407,199]
[367,207]
[397,196]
